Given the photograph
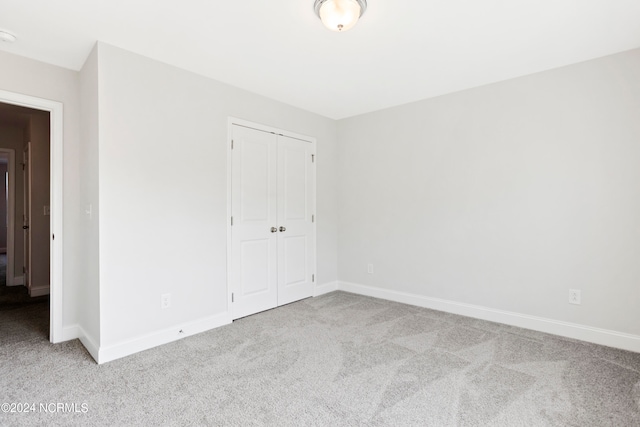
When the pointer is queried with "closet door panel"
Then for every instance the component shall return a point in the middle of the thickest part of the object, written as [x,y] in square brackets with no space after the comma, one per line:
[295,210]
[254,210]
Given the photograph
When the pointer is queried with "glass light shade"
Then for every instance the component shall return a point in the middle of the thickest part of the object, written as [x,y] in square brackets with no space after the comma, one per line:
[340,15]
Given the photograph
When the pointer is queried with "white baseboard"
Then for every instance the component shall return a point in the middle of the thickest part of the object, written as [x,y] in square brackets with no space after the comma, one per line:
[38,292]
[570,330]
[325,288]
[17,281]
[88,342]
[145,342]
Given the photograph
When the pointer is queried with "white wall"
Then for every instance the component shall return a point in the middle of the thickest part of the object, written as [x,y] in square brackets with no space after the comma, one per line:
[503,196]
[29,77]
[89,293]
[162,194]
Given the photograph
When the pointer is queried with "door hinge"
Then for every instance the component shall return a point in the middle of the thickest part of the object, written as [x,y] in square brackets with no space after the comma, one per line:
[232,297]
[313,218]
[232,221]
[313,158]
[232,144]
[313,277]
[53,237]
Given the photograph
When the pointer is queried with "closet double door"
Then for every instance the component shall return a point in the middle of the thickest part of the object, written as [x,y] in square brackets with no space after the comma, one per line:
[272,220]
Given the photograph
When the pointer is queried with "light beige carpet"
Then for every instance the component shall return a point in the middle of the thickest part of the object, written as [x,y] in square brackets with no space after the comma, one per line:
[335,360]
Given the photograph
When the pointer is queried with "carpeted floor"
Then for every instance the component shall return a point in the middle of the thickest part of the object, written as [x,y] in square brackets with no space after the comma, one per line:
[336,360]
[20,315]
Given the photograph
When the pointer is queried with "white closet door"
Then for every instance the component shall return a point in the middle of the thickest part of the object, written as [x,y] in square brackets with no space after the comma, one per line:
[295,228]
[254,210]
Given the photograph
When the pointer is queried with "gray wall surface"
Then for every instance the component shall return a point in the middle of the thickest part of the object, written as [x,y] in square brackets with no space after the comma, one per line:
[153,116]
[503,196]
[39,226]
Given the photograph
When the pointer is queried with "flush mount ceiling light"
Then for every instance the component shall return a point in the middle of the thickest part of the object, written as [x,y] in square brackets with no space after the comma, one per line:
[6,36]
[340,15]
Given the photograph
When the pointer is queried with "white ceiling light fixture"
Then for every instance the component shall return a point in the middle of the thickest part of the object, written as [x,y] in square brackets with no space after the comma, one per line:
[340,15]
[6,36]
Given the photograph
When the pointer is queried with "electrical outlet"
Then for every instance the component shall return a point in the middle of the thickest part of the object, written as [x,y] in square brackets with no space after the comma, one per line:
[574,296]
[165,301]
[370,268]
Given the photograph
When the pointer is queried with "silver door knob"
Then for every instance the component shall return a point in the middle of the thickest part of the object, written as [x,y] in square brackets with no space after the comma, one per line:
[283,229]
[274,229]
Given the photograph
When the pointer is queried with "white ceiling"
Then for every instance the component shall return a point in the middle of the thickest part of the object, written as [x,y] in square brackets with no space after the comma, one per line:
[401,50]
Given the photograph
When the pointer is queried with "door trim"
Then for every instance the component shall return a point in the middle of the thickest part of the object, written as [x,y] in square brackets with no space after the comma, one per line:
[11,215]
[56,111]
[265,128]
[26,216]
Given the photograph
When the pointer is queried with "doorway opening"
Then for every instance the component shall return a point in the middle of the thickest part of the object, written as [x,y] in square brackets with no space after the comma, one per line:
[24,232]
[31,201]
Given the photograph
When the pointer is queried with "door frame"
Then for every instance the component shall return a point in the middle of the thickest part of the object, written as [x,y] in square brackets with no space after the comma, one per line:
[26,212]
[56,141]
[11,214]
[246,123]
